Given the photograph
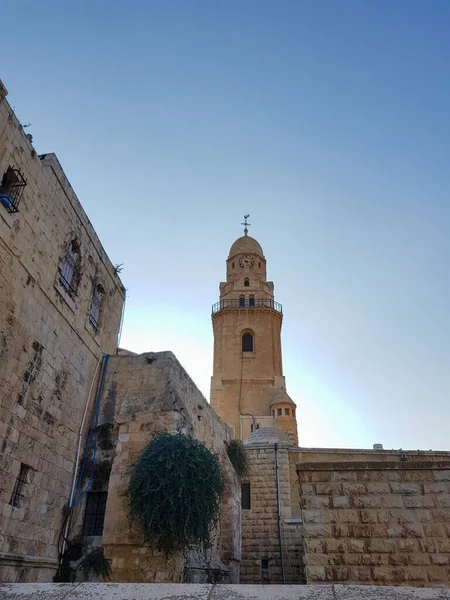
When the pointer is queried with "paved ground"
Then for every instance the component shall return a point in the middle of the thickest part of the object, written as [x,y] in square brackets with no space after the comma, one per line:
[172,591]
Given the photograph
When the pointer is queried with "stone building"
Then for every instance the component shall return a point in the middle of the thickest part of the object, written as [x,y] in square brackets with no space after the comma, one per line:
[61,304]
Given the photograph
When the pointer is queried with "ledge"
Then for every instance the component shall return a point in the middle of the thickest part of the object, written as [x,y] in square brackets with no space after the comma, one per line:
[373,466]
[32,561]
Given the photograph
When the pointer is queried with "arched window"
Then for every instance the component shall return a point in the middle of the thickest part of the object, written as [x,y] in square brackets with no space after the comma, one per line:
[247,342]
[242,301]
[246,282]
[251,301]
[96,302]
[69,269]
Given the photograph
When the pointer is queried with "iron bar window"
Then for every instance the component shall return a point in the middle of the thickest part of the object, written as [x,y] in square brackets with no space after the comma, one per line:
[19,487]
[94,312]
[67,268]
[94,516]
[11,189]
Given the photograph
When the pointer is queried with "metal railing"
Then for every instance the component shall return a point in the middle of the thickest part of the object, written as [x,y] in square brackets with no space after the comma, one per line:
[247,303]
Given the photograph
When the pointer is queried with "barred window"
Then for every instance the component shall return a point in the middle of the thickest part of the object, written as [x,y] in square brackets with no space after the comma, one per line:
[19,487]
[94,515]
[94,312]
[68,268]
[11,188]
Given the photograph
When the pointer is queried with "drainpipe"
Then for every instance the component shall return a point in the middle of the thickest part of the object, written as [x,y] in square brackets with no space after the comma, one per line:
[277,481]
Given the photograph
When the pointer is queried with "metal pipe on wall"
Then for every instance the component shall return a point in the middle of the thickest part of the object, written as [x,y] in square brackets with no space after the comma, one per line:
[277,481]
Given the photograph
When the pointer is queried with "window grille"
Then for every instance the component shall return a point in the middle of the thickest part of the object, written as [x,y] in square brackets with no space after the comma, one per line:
[245,496]
[18,491]
[94,516]
[251,302]
[247,342]
[67,269]
[242,301]
[94,311]
[11,189]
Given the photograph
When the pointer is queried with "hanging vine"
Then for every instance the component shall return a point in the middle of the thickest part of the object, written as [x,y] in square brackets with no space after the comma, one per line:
[175,490]
[238,457]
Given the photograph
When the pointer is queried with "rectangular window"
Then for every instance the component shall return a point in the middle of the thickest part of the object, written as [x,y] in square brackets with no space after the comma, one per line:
[286,412]
[264,570]
[19,487]
[94,311]
[11,188]
[94,516]
[279,411]
[245,496]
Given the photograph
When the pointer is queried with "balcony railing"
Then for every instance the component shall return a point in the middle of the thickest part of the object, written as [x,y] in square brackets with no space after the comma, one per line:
[247,303]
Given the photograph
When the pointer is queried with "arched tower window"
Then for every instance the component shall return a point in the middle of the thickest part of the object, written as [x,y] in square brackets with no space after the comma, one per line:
[241,301]
[247,342]
[69,270]
[96,302]
[251,301]
[246,282]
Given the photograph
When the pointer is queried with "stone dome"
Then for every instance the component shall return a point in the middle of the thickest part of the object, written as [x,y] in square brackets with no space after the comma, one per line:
[245,245]
[269,436]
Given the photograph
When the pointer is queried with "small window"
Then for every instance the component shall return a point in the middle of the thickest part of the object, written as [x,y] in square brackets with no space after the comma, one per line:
[286,412]
[245,496]
[94,312]
[232,265]
[242,301]
[252,427]
[273,413]
[19,487]
[68,271]
[251,301]
[264,570]
[247,342]
[279,411]
[246,282]
[94,516]
[259,265]
[11,189]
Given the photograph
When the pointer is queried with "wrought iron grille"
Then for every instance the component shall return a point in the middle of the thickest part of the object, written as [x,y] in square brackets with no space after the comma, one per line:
[21,481]
[67,269]
[94,313]
[243,303]
[94,516]
[11,189]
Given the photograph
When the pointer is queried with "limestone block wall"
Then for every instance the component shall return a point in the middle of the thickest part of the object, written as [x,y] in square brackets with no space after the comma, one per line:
[260,523]
[142,395]
[48,350]
[382,522]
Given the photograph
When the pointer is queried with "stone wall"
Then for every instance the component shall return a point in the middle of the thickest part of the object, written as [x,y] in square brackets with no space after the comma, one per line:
[260,523]
[48,350]
[144,394]
[383,522]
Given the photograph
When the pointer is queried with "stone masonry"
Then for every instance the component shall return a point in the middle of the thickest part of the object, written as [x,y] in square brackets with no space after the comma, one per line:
[144,394]
[379,518]
[48,350]
[260,544]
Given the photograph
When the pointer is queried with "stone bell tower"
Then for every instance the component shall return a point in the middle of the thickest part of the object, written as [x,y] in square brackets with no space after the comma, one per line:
[248,390]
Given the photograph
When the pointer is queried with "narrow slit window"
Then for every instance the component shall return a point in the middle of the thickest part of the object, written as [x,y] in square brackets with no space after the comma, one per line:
[94,312]
[245,496]
[19,487]
[232,265]
[247,342]
[94,516]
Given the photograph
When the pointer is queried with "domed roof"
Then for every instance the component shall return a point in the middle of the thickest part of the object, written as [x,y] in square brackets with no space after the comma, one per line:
[267,435]
[245,245]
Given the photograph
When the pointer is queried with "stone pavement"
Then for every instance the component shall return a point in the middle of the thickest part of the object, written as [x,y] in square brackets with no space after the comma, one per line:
[167,591]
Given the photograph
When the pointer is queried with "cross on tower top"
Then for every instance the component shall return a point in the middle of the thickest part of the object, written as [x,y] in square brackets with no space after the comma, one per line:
[246,224]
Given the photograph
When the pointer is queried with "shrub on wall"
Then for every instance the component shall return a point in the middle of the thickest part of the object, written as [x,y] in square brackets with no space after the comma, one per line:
[238,457]
[175,490]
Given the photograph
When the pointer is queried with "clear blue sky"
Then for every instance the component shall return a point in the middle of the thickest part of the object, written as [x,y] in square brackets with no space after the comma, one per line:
[328,121]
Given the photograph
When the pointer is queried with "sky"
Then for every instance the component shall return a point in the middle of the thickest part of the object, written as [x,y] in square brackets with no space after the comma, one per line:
[327,121]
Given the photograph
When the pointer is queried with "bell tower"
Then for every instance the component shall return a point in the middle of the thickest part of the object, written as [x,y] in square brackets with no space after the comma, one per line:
[248,389]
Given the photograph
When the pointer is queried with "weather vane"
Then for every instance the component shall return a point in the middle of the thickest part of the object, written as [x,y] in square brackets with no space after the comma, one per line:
[246,224]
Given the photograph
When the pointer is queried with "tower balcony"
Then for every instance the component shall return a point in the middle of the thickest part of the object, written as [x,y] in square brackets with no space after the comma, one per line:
[246,304]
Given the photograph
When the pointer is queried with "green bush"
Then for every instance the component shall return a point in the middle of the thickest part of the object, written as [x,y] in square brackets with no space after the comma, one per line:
[238,457]
[175,490]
